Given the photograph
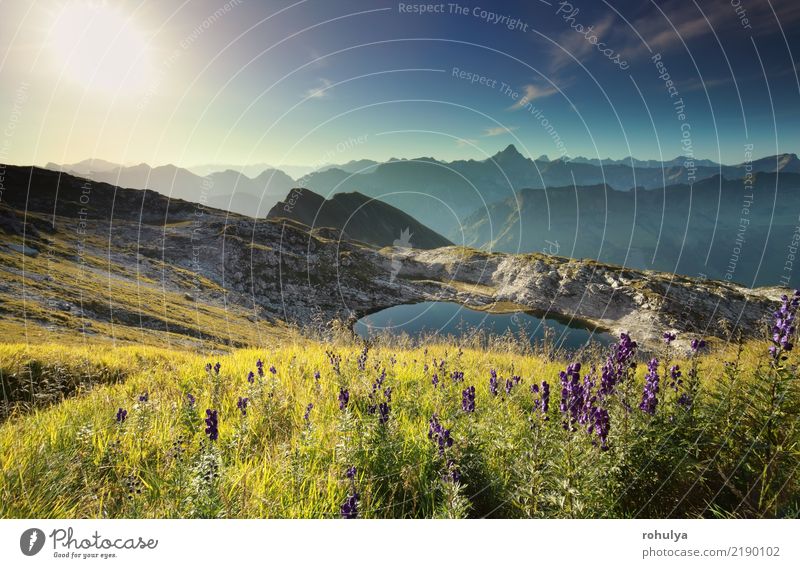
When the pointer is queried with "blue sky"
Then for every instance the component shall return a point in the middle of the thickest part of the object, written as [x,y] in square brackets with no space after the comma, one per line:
[308,82]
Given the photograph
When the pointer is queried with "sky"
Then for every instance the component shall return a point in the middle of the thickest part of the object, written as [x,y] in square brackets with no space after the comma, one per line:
[312,82]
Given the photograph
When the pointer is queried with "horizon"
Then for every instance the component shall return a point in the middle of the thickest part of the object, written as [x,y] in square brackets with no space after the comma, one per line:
[312,167]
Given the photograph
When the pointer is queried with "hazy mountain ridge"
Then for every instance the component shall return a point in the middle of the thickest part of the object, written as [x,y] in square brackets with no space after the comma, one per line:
[440,193]
[228,189]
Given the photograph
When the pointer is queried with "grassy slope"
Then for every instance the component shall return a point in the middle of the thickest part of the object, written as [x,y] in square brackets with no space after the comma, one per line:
[56,297]
[73,460]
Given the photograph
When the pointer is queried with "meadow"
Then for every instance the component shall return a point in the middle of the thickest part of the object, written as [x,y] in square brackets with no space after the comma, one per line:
[330,426]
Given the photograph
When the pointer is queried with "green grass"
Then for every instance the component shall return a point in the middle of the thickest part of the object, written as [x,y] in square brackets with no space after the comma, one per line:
[728,456]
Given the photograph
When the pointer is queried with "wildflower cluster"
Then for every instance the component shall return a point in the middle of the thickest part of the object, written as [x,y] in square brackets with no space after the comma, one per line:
[580,405]
[349,509]
[783,329]
[468,399]
[344,398]
[439,435]
[362,358]
[617,366]
[542,403]
[650,394]
[212,424]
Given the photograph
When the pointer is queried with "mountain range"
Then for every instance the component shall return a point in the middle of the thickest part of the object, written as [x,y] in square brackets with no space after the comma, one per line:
[439,194]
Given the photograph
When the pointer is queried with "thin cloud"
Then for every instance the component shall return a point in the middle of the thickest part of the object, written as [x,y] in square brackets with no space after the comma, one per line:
[533,92]
[499,130]
[319,92]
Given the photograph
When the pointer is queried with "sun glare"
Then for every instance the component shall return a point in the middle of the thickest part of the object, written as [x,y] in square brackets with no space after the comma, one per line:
[100,48]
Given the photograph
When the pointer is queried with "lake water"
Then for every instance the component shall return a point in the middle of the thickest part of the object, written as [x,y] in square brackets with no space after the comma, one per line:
[449,318]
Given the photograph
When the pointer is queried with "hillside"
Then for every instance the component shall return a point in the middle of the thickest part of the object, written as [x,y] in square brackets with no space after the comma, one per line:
[358,217]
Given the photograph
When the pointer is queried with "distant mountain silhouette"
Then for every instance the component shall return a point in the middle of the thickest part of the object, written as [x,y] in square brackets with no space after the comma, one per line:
[229,190]
[439,194]
[352,167]
[359,217]
[84,166]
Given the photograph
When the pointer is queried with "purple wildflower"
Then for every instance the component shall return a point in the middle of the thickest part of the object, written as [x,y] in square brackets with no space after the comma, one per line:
[601,425]
[308,411]
[208,367]
[675,378]
[669,337]
[349,509]
[212,424]
[351,472]
[435,380]
[457,376]
[251,377]
[362,359]
[493,382]
[122,415]
[190,399]
[697,345]
[378,382]
[344,398]
[544,400]
[509,385]
[242,405]
[650,393]
[217,367]
[273,370]
[383,413]
[453,474]
[616,367]
[438,434]
[573,395]
[468,399]
[784,327]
